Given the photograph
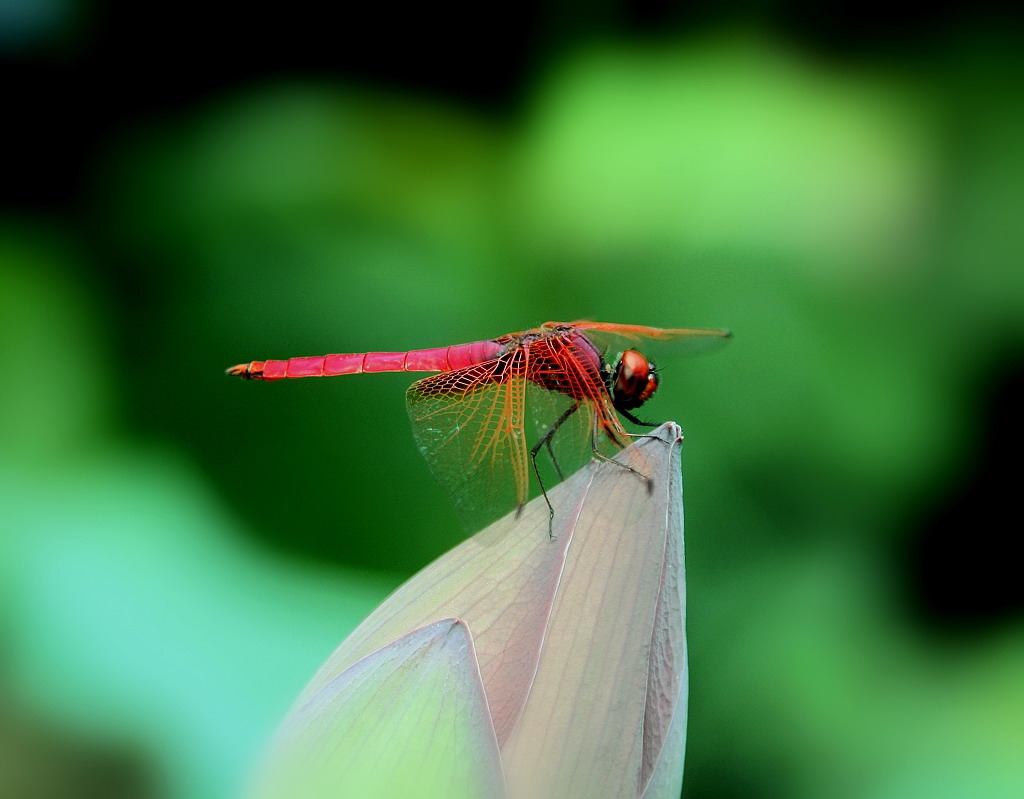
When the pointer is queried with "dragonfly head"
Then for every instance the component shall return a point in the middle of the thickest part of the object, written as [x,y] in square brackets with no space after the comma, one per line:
[633,381]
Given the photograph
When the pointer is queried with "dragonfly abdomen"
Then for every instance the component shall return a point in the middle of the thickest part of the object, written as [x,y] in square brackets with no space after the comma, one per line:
[439,359]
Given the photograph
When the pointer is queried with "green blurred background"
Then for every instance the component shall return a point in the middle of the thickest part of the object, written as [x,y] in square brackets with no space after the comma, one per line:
[186,187]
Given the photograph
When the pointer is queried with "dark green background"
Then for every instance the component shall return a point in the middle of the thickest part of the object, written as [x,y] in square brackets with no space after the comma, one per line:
[187,188]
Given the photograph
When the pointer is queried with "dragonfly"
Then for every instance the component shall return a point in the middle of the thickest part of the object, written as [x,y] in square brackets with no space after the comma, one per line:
[483,420]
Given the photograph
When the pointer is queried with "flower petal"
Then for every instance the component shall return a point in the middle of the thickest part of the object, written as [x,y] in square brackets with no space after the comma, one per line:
[501,583]
[408,720]
[661,776]
[609,680]
[579,636]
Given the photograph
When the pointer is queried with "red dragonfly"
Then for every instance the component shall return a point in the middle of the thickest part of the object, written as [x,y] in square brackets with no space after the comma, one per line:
[482,421]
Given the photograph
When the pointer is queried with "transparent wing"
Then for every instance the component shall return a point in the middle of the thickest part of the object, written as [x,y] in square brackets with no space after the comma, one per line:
[570,409]
[479,427]
[613,337]
[469,424]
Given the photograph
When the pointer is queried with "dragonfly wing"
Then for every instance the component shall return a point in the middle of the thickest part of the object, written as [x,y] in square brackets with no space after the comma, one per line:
[571,446]
[569,407]
[469,424]
[477,427]
[616,338]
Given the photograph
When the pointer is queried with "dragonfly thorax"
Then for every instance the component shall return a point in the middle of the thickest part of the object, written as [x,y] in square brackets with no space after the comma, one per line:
[633,381]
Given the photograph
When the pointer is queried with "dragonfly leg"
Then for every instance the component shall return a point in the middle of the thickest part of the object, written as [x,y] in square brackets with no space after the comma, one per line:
[549,436]
[545,441]
[554,460]
[602,457]
[636,421]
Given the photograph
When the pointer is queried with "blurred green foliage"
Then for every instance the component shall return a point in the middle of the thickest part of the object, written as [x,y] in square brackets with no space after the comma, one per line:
[180,550]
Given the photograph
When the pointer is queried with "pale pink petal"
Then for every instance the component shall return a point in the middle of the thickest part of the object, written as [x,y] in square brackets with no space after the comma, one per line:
[586,730]
[661,775]
[409,720]
[501,583]
[579,637]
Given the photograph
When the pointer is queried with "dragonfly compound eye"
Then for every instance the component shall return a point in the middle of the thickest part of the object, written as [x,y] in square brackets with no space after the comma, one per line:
[634,381]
